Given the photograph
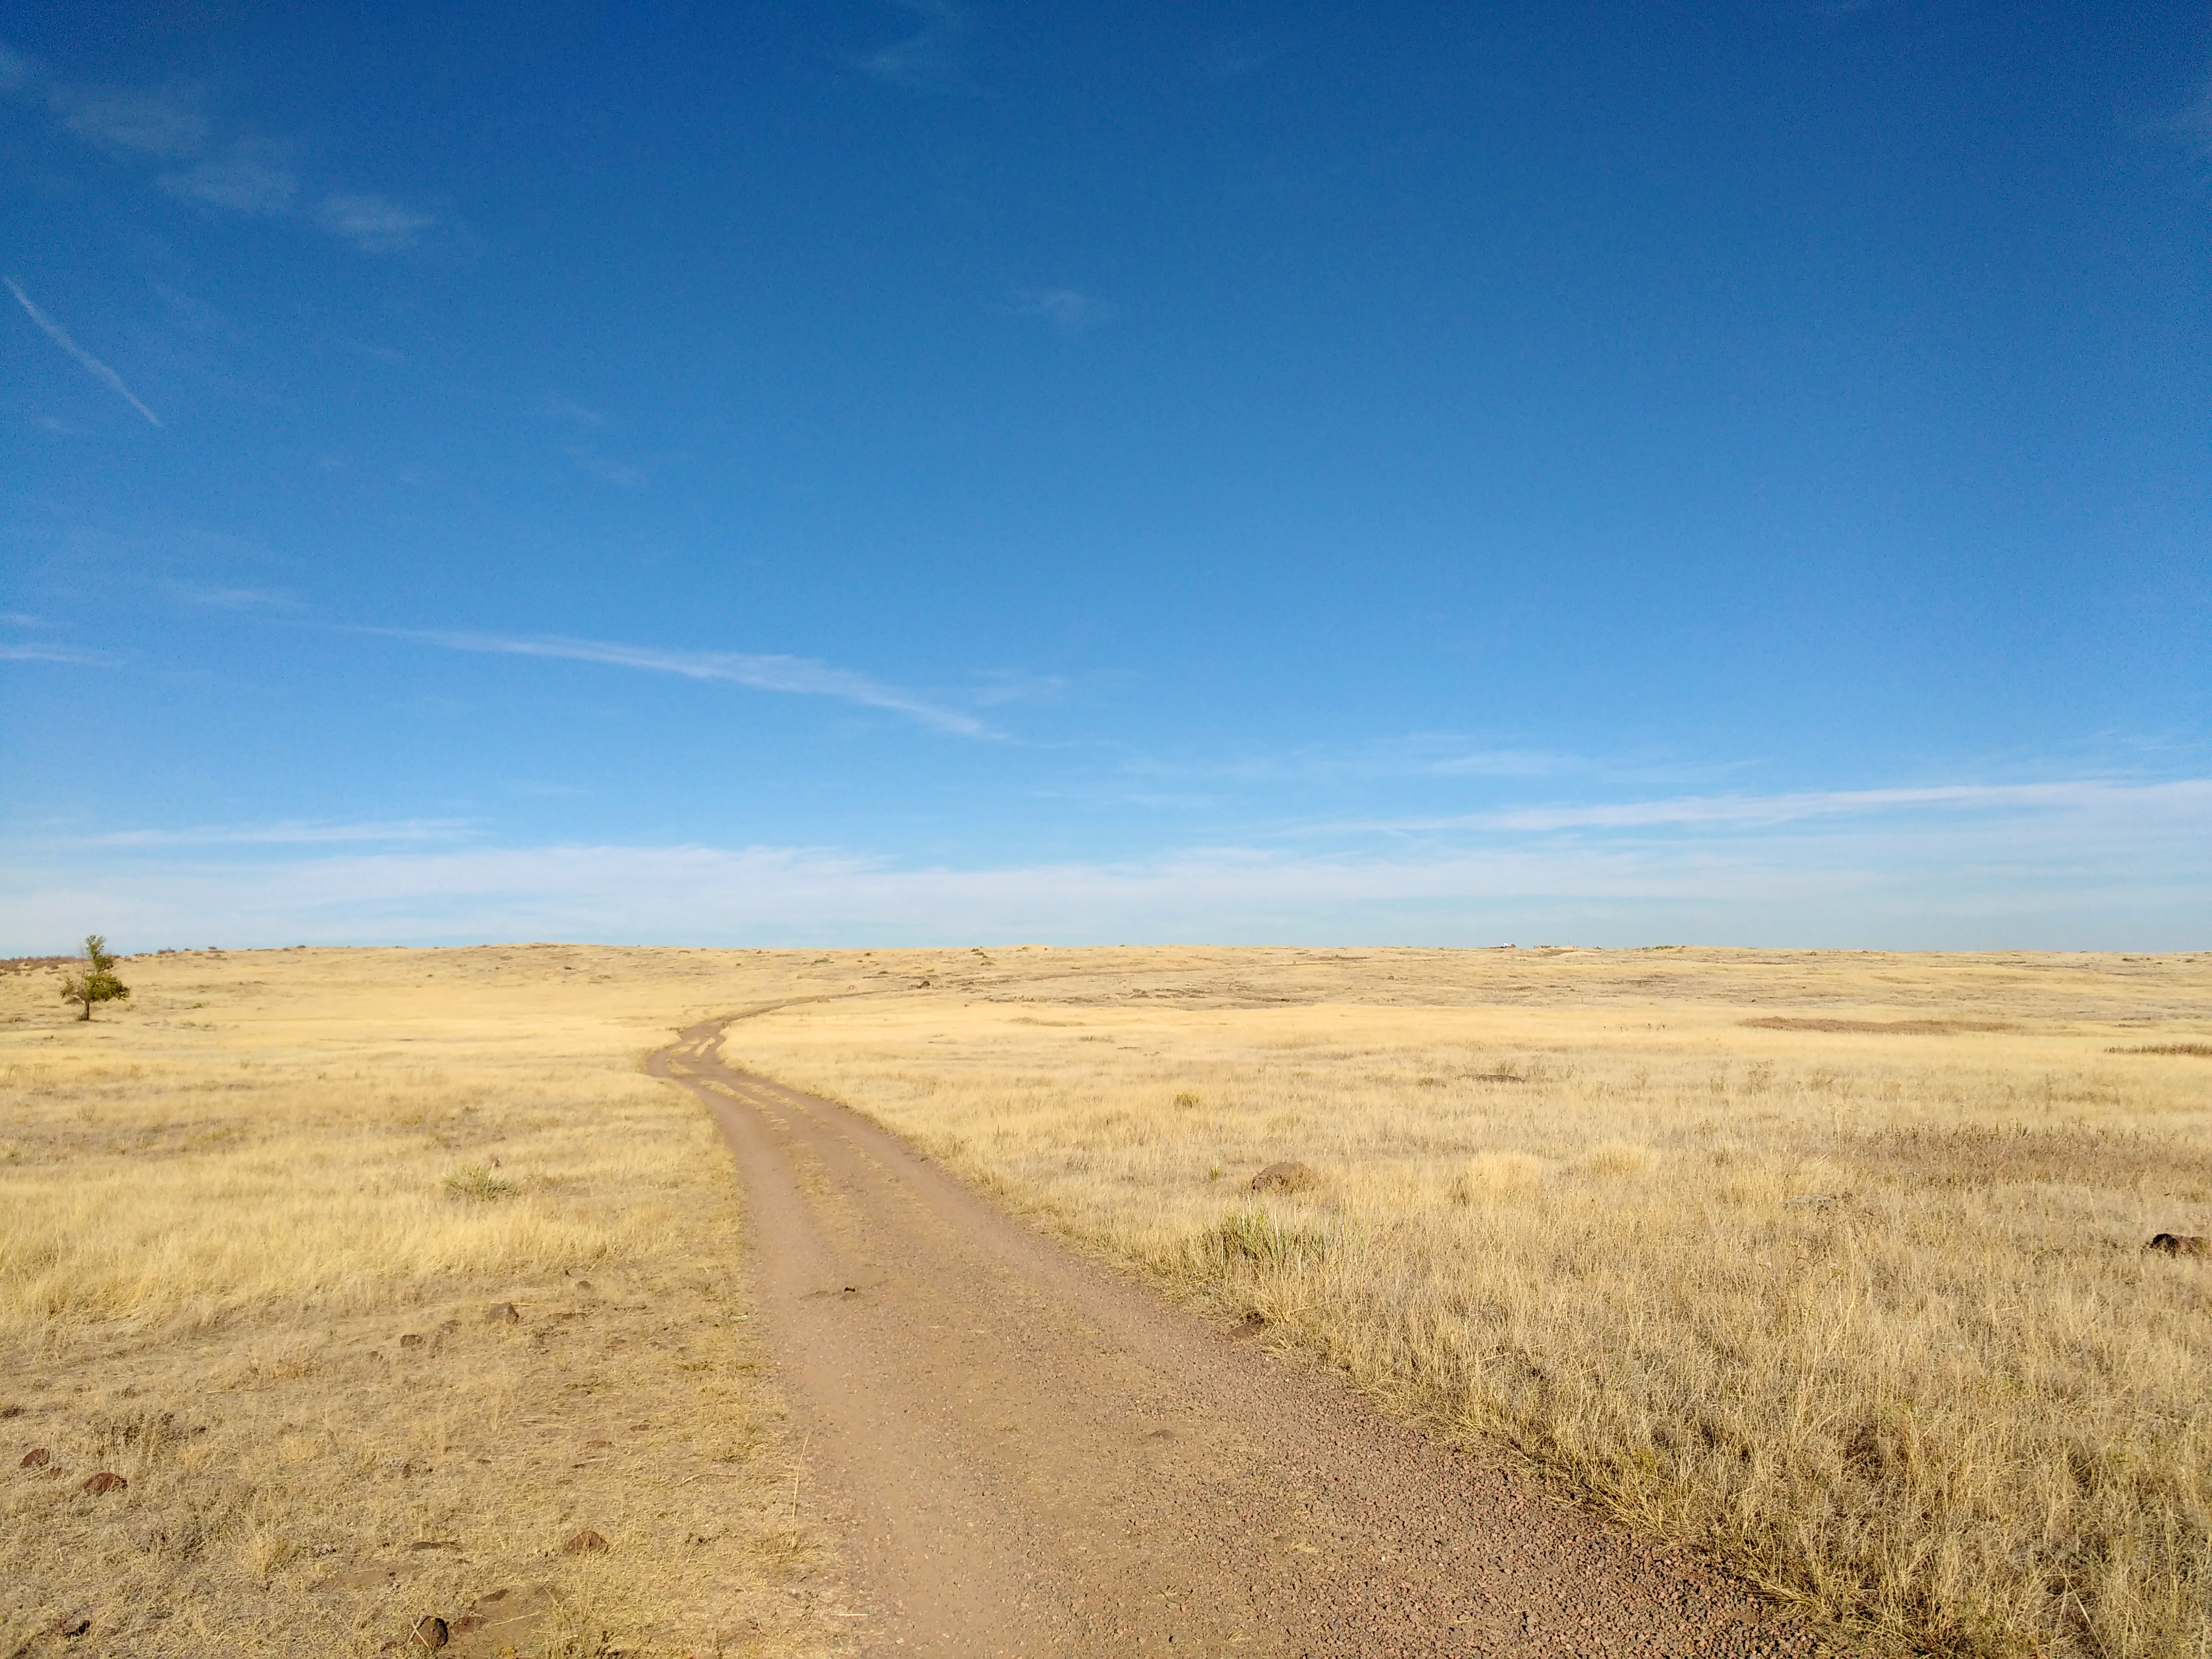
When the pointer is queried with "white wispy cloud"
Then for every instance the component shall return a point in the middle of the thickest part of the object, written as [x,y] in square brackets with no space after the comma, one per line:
[1002,686]
[2095,865]
[2193,123]
[374,224]
[292,832]
[561,408]
[146,121]
[60,336]
[927,60]
[620,474]
[195,314]
[240,599]
[1233,59]
[16,71]
[1069,310]
[2187,796]
[254,176]
[1420,755]
[60,653]
[802,675]
[1463,762]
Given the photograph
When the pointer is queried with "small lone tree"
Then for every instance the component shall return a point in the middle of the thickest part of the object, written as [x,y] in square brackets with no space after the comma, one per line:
[97,983]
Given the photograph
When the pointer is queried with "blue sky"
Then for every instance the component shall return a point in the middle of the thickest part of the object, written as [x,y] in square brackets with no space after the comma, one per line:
[881,472]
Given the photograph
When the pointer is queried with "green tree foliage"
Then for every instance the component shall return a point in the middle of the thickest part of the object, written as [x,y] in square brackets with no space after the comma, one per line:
[97,982]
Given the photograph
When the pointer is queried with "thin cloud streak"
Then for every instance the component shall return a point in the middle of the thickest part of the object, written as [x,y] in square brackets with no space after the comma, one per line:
[61,653]
[159,121]
[1420,757]
[55,333]
[620,474]
[292,832]
[2063,866]
[927,60]
[374,224]
[1774,810]
[2194,122]
[256,178]
[1069,310]
[801,675]
[240,599]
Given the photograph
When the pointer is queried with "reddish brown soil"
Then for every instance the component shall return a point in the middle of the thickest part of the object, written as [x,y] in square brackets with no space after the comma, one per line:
[1023,1453]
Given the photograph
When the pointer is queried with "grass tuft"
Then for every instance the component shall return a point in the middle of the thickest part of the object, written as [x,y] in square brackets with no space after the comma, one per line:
[476,1183]
[1255,1236]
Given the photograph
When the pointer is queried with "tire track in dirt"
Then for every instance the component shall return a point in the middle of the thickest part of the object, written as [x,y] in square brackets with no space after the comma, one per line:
[1024,1454]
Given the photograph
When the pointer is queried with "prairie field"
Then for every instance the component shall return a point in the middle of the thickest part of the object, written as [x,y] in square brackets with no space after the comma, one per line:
[1832,1266]
[378,1278]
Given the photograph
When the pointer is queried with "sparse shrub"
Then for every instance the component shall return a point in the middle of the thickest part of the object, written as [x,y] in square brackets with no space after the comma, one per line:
[1186,1100]
[479,1184]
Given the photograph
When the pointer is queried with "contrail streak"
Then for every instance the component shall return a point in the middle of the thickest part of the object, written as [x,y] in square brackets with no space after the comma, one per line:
[60,336]
[765,673]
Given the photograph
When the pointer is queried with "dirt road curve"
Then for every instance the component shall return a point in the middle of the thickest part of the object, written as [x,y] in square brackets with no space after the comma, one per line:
[1025,1454]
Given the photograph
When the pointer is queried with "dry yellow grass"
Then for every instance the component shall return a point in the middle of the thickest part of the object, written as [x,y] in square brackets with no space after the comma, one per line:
[1831,1265]
[225,1208]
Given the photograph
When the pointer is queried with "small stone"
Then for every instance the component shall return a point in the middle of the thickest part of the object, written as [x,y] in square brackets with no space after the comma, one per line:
[430,1632]
[585,1542]
[37,1458]
[1284,1178]
[103,1483]
[2182,1244]
[501,1312]
[412,1340]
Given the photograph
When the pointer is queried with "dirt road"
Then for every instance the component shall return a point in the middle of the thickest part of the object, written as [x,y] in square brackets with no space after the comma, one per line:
[1024,1454]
